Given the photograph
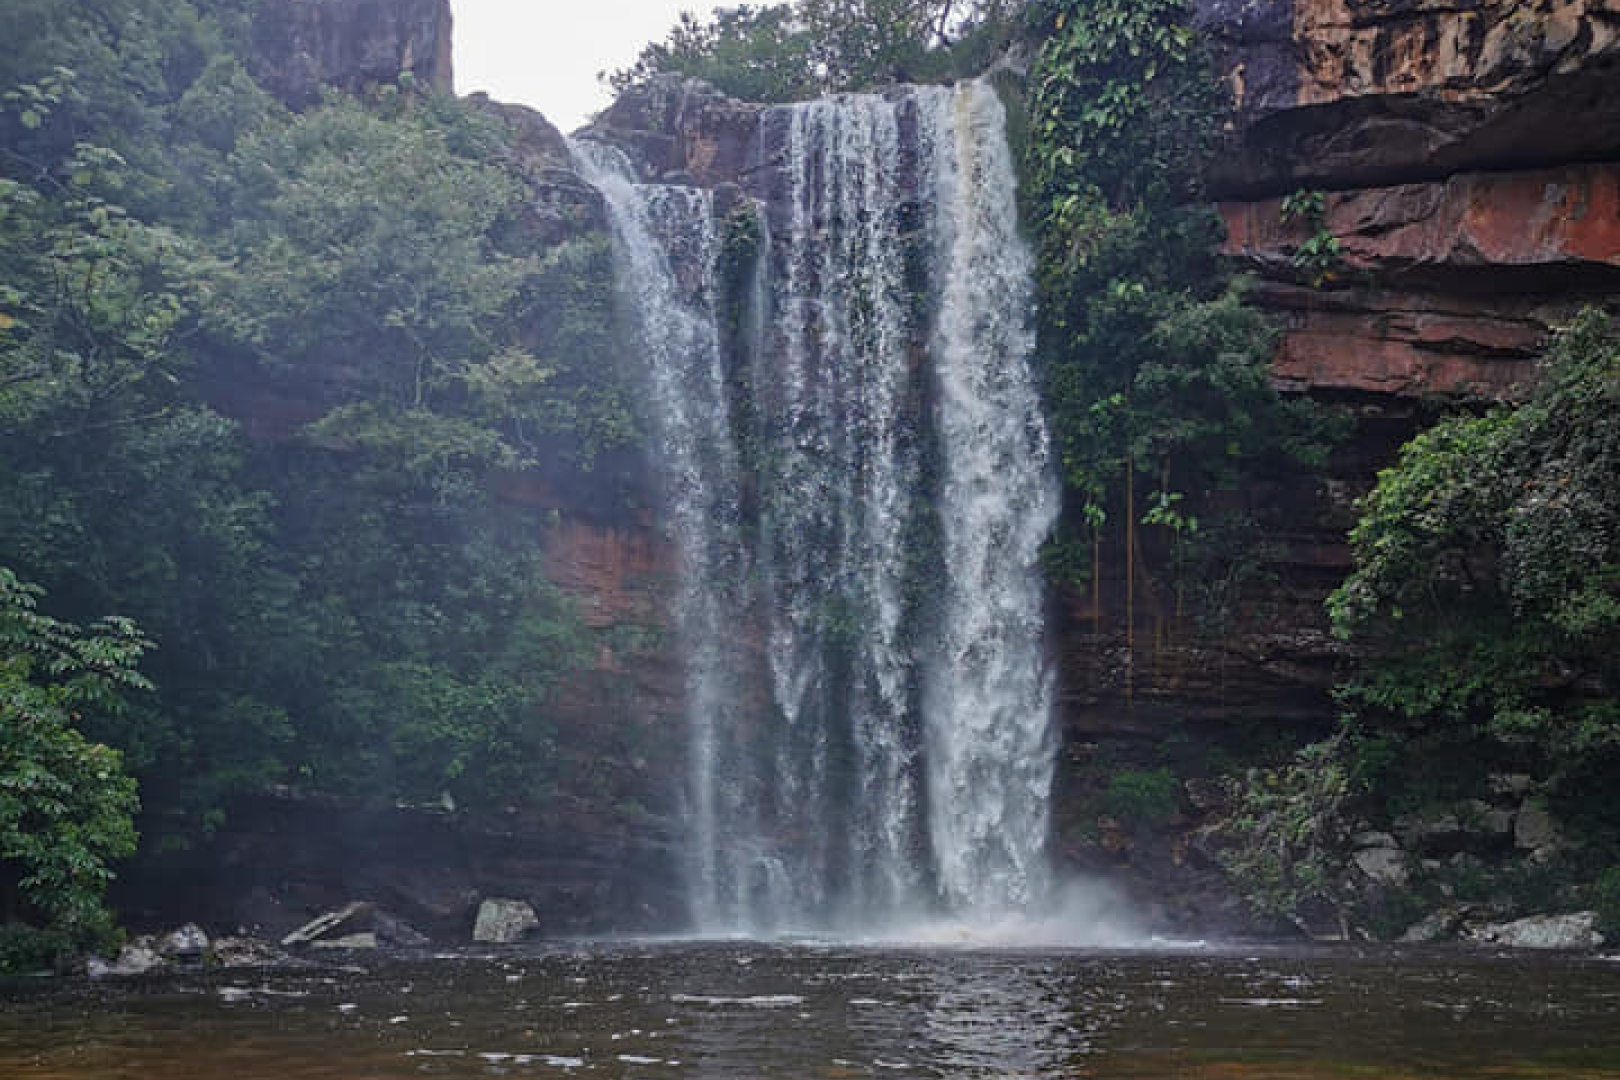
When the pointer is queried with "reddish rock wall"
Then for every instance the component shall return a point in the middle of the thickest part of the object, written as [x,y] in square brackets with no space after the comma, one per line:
[1447,287]
[1470,151]
[1468,154]
[1336,93]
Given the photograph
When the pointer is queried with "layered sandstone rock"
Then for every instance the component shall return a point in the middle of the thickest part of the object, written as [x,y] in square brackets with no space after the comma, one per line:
[1332,93]
[1447,287]
[1467,153]
[1470,152]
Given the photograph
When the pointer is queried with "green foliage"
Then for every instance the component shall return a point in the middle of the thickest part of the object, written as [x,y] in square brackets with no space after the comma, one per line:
[366,241]
[1156,373]
[1487,580]
[1606,902]
[1485,602]
[349,600]
[793,51]
[1284,837]
[66,806]
[752,53]
[1145,798]
[1125,107]
[1319,255]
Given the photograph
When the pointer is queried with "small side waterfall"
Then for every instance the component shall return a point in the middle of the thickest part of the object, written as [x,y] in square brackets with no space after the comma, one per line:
[659,232]
[890,754]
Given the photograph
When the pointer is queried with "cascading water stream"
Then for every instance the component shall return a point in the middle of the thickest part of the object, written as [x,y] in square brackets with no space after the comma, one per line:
[894,758]
[659,231]
[986,703]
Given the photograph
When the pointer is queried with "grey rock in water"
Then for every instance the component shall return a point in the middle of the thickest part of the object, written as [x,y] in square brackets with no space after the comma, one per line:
[187,944]
[1438,925]
[247,952]
[362,925]
[366,939]
[329,924]
[396,932]
[137,958]
[502,922]
[1576,930]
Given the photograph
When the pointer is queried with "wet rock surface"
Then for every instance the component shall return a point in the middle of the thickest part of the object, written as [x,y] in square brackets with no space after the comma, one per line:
[303,46]
[283,860]
[1334,93]
[1572,931]
[504,922]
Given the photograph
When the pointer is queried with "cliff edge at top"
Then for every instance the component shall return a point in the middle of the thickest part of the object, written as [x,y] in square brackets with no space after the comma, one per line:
[1342,93]
[301,46]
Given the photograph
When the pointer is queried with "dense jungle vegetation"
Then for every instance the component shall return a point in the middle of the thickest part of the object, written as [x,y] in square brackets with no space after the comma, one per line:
[339,600]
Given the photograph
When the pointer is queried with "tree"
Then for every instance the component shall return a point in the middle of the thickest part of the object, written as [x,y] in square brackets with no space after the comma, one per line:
[1156,374]
[752,53]
[1485,602]
[788,52]
[66,807]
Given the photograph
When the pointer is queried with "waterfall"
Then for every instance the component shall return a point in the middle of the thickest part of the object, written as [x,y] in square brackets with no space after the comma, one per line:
[660,233]
[987,691]
[890,754]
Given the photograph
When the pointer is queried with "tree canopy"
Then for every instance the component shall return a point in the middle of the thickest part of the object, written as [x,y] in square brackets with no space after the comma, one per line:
[792,51]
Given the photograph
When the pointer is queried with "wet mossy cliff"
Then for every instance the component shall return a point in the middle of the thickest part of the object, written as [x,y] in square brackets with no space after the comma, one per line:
[1465,160]
[1466,156]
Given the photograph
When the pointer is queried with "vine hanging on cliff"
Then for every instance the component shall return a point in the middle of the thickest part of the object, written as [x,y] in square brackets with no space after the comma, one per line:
[1153,367]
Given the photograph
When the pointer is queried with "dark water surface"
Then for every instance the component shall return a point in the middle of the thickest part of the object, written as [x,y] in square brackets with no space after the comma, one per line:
[743,1010]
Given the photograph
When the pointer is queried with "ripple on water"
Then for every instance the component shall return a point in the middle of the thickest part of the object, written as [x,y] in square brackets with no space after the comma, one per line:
[757,1001]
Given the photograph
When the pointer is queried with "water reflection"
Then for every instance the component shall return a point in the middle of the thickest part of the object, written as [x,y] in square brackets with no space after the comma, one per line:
[1007,1020]
[746,1010]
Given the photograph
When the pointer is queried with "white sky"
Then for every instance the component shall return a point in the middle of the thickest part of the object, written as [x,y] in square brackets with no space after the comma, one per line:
[547,53]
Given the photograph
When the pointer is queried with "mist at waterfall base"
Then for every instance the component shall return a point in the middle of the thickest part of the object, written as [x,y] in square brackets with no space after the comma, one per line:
[857,475]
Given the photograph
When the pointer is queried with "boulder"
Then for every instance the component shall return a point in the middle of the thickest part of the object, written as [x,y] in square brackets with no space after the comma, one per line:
[357,925]
[248,952]
[139,957]
[502,922]
[188,944]
[1536,830]
[397,932]
[1576,930]
[332,923]
[363,940]
[1438,925]
[1385,865]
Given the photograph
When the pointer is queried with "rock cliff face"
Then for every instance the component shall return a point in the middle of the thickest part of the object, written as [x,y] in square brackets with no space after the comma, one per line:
[301,46]
[1468,155]
[1471,157]
[1336,93]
